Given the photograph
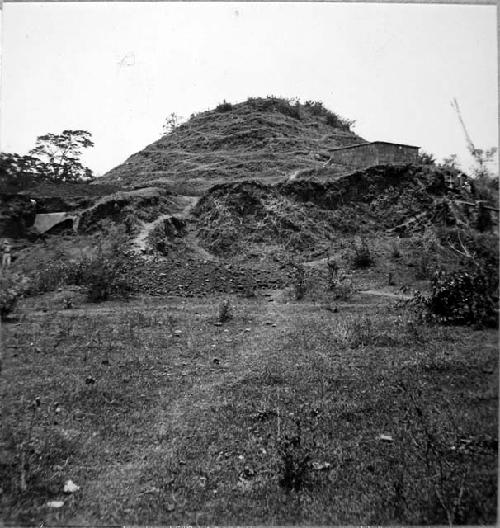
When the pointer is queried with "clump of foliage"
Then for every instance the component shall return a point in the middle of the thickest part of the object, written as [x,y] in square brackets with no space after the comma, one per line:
[485,187]
[158,240]
[425,158]
[288,107]
[395,249]
[62,152]
[171,123]
[12,287]
[344,289]
[316,108]
[105,275]
[471,245]
[224,107]
[333,272]
[424,266]
[295,458]
[466,292]
[32,452]
[339,284]
[483,221]
[55,158]
[464,297]
[361,255]
[225,311]
[299,281]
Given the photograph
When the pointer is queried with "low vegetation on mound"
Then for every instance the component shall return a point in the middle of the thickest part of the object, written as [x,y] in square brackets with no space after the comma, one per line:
[307,214]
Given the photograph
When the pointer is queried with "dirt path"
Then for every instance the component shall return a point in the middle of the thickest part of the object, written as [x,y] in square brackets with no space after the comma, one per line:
[140,241]
[381,293]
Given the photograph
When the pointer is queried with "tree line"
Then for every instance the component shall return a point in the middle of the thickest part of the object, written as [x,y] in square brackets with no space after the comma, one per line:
[56,158]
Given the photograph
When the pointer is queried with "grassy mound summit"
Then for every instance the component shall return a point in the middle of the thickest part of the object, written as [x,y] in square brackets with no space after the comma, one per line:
[261,137]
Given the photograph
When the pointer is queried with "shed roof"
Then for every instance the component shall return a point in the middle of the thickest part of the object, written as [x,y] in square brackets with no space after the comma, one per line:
[375,143]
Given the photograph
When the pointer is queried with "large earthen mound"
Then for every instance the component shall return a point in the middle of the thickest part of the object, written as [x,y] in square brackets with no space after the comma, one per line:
[263,138]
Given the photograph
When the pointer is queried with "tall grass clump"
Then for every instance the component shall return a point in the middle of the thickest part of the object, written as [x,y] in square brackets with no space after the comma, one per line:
[224,107]
[12,288]
[361,256]
[103,275]
[463,297]
[299,281]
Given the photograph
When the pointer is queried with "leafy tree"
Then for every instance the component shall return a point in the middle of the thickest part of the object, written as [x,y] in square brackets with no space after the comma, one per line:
[61,153]
[485,183]
[481,159]
[451,162]
[19,172]
[424,158]
[171,123]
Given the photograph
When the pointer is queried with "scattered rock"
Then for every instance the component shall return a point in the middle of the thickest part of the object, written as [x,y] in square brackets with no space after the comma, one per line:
[320,466]
[70,487]
[89,380]
[55,504]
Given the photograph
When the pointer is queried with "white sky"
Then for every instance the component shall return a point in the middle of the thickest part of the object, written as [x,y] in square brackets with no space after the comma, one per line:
[118,69]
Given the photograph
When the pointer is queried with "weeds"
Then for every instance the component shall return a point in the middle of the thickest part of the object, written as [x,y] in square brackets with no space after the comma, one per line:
[299,281]
[295,458]
[333,272]
[344,289]
[395,249]
[104,274]
[441,463]
[12,288]
[278,104]
[424,267]
[225,311]
[316,108]
[461,297]
[361,255]
[224,107]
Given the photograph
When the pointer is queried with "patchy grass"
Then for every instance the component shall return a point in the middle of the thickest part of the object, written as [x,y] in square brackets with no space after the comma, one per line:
[273,418]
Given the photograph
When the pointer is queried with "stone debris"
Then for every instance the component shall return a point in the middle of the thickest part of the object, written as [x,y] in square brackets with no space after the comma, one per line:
[55,504]
[320,466]
[70,487]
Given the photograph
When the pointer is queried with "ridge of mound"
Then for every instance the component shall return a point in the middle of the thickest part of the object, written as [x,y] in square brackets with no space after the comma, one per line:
[304,215]
[259,138]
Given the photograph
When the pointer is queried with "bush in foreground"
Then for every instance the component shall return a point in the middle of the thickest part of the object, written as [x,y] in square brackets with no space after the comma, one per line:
[465,297]
[361,256]
[103,275]
[12,287]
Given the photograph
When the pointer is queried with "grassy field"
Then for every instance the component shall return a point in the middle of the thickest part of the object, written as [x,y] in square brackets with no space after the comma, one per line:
[291,412]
